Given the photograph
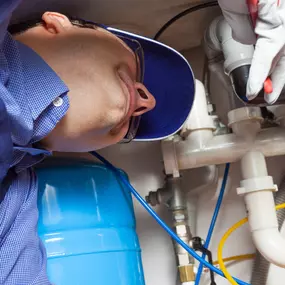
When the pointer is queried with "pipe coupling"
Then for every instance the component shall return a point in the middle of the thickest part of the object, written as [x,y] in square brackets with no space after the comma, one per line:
[186,273]
[255,184]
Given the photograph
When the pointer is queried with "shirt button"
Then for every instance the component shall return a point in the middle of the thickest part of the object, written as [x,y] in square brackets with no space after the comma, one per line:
[57,102]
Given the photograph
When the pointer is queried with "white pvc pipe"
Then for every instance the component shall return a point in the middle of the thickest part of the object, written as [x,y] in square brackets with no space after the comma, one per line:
[199,125]
[199,138]
[199,117]
[262,217]
[218,37]
[270,244]
[227,148]
[253,165]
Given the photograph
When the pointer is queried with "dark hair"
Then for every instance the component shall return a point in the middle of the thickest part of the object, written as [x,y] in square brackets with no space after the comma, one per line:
[21,27]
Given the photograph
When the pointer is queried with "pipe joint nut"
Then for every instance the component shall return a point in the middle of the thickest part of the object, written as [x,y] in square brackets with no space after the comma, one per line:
[186,273]
[183,259]
[255,184]
[182,230]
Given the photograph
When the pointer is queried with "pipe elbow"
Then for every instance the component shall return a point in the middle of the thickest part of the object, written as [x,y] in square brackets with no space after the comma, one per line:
[271,245]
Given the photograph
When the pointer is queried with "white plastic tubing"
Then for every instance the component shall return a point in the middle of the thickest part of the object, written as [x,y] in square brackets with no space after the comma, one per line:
[226,148]
[258,191]
[201,148]
[218,38]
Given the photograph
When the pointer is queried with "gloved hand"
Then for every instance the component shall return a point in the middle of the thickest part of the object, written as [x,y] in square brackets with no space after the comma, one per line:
[269,40]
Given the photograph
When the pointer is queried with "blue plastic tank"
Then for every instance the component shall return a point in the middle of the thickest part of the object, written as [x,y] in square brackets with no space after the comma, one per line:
[87,223]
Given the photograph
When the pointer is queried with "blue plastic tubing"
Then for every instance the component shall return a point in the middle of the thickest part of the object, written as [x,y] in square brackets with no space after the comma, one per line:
[159,220]
[213,221]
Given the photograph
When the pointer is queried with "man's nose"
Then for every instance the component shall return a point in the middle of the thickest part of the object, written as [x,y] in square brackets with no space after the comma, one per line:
[145,100]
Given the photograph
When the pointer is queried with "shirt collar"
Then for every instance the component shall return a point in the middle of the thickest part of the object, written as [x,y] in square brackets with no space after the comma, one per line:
[42,84]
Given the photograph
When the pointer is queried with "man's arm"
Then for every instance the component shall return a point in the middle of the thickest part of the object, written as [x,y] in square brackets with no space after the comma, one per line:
[6,145]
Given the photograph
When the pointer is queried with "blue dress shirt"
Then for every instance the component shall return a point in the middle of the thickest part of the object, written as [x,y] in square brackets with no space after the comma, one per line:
[33,99]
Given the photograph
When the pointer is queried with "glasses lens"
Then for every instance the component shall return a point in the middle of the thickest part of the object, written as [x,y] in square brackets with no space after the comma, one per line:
[133,128]
[139,55]
[138,51]
[140,64]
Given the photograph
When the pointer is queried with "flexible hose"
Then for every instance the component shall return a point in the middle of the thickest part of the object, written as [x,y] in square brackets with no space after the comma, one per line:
[221,246]
[158,219]
[261,265]
[182,14]
[223,241]
[213,221]
[236,258]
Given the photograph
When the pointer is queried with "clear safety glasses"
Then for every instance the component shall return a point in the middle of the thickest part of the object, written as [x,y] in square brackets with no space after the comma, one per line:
[139,56]
[138,51]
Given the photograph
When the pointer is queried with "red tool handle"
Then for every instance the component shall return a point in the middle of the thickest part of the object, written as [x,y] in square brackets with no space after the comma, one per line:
[253,11]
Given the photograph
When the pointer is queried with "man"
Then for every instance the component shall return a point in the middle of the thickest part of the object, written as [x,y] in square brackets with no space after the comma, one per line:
[71,88]
[70,85]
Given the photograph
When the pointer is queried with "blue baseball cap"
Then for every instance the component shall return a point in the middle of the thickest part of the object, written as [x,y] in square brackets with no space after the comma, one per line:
[169,77]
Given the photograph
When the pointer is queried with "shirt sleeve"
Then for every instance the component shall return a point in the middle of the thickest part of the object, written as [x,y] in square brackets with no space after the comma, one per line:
[6,146]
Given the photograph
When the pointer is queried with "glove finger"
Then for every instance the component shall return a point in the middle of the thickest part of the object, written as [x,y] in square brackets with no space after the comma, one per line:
[269,23]
[266,6]
[278,81]
[276,60]
[262,60]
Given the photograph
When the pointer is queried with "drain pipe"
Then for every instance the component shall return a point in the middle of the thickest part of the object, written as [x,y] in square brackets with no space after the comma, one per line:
[236,57]
[199,127]
[224,148]
[261,266]
[218,38]
[257,189]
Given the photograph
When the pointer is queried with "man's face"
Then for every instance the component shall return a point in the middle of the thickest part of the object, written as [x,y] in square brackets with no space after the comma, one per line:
[101,73]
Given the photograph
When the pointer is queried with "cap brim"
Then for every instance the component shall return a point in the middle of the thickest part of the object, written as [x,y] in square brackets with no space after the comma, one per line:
[169,77]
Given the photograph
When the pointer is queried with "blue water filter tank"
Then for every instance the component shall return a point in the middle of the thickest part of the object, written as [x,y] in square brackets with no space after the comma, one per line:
[87,224]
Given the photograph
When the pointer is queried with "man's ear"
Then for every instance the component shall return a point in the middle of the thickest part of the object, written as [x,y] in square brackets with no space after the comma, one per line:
[56,22]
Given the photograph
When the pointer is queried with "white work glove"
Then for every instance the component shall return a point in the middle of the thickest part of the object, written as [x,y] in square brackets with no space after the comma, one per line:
[269,37]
